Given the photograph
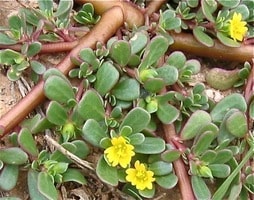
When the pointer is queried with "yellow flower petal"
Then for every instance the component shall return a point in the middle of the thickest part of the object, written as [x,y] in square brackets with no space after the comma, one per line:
[237,28]
[140,176]
[120,153]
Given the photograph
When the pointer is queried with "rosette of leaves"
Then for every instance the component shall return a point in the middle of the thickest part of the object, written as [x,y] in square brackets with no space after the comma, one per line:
[96,132]
[62,111]
[86,15]
[18,63]
[38,24]
[56,170]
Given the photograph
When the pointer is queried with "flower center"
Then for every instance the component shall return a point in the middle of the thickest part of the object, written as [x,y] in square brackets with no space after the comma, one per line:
[120,149]
[141,175]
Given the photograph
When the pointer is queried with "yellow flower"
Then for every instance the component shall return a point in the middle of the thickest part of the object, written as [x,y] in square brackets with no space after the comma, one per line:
[140,176]
[237,28]
[120,152]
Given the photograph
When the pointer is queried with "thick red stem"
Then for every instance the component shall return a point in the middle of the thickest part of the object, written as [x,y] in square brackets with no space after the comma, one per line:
[179,167]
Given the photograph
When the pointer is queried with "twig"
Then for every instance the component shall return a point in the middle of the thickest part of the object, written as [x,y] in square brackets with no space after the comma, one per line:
[81,163]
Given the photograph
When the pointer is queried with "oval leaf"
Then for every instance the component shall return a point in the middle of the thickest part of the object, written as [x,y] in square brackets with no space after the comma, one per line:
[58,89]
[237,124]
[107,173]
[202,37]
[120,52]
[200,189]
[56,113]
[91,106]
[13,155]
[46,186]
[27,142]
[9,177]
[167,113]
[234,100]
[151,146]
[106,77]
[195,123]
[93,132]
[127,89]
[74,175]
[137,119]
[169,181]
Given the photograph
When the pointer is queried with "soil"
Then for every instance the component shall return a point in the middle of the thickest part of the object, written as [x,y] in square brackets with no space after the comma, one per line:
[11,93]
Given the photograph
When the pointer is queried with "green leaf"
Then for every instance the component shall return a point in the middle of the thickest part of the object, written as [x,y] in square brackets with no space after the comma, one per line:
[171,155]
[227,41]
[45,5]
[106,173]
[27,142]
[203,142]
[9,177]
[176,59]
[194,125]
[251,110]
[75,175]
[154,50]
[13,155]
[127,89]
[93,132]
[136,138]
[10,57]
[46,186]
[56,113]
[88,55]
[14,22]
[6,40]
[138,42]
[237,124]
[120,52]
[154,85]
[64,9]
[208,7]
[37,67]
[229,4]
[33,49]
[222,156]
[168,182]
[58,89]
[168,73]
[160,168]
[200,189]
[220,170]
[167,113]
[202,37]
[82,149]
[59,157]
[151,146]
[147,193]
[169,21]
[137,119]
[32,180]
[208,156]
[91,106]
[234,100]
[106,77]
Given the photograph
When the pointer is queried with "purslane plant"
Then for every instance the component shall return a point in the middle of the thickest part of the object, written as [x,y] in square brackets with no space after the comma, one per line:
[131,85]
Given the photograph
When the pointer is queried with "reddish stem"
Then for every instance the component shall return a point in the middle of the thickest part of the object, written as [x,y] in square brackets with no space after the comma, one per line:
[186,42]
[179,167]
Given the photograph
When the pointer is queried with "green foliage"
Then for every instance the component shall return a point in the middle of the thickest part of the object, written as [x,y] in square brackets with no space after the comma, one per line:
[130,88]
